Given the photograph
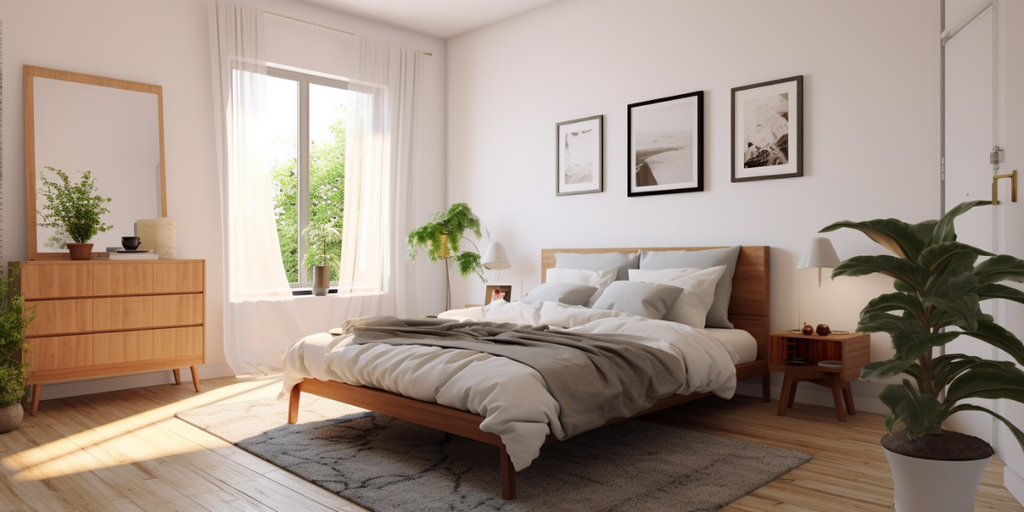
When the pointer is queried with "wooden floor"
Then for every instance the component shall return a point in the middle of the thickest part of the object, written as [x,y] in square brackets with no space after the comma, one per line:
[126,451]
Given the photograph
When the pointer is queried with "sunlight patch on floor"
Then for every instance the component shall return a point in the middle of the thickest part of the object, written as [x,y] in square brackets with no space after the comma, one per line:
[124,441]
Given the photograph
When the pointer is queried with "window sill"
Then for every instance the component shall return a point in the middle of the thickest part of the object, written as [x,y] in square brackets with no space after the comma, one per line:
[308,292]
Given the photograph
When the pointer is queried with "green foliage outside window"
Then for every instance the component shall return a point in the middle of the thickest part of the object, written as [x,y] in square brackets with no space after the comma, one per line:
[326,198]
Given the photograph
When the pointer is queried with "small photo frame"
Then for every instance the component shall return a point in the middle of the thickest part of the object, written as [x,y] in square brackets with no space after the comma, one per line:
[666,145]
[579,164]
[768,130]
[498,292]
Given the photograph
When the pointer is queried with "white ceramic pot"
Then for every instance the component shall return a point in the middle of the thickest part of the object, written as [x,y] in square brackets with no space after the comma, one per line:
[10,417]
[924,485]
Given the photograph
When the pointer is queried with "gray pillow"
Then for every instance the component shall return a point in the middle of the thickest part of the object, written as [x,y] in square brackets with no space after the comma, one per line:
[718,315]
[599,262]
[651,300]
[567,293]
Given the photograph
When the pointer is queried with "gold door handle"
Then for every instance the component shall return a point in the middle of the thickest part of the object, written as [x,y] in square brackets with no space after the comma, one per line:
[1013,187]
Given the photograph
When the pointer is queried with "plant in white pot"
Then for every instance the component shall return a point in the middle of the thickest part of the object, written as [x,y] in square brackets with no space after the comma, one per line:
[938,291]
[74,211]
[322,254]
[441,238]
[13,370]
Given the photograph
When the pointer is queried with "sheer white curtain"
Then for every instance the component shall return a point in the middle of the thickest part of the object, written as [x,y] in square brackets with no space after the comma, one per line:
[261,318]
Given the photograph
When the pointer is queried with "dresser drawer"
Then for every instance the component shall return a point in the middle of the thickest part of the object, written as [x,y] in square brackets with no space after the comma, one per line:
[97,278]
[50,354]
[82,316]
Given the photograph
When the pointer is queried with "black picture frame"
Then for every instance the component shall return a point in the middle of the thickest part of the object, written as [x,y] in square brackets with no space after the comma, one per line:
[768,130]
[579,156]
[665,141]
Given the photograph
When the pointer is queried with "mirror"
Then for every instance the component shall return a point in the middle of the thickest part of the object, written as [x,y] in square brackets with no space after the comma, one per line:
[114,128]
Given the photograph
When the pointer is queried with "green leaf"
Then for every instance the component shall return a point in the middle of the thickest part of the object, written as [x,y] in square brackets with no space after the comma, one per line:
[988,381]
[920,413]
[995,335]
[947,367]
[955,295]
[944,229]
[896,268]
[925,229]
[999,291]
[937,254]
[895,235]
[1017,433]
[909,337]
[895,302]
[1000,268]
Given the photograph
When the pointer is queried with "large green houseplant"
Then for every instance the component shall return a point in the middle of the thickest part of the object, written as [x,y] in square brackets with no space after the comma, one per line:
[319,256]
[939,286]
[13,370]
[74,211]
[441,239]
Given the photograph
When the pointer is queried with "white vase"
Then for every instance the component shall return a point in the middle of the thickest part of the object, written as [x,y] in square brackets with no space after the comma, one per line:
[10,417]
[925,485]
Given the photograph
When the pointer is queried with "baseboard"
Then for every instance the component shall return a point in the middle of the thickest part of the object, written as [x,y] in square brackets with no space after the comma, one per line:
[138,380]
[1014,483]
[865,395]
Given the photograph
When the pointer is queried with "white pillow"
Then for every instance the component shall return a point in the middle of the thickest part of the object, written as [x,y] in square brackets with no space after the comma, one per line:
[691,308]
[599,280]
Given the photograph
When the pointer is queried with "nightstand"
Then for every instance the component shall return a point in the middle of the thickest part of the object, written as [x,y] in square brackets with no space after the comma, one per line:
[847,352]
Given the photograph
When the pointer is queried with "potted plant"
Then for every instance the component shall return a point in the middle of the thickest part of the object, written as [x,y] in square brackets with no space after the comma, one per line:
[13,371]
[938,289]
[441,238]
[320,238]
[73,210]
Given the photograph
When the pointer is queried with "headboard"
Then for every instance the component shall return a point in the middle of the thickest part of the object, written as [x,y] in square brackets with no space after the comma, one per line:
[748,307]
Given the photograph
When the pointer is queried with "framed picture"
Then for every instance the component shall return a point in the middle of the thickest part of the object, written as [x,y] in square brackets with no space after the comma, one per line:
[666,145]
[580,161]
[498,292]
[768,130]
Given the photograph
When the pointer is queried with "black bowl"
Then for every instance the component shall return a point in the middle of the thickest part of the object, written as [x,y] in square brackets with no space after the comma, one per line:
[130,243]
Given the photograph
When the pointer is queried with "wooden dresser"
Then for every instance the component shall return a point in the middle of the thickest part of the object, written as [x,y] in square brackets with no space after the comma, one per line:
[110,317]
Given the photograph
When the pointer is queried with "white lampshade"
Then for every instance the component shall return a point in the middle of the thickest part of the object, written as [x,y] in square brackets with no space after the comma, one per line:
[819,253]
[495,257]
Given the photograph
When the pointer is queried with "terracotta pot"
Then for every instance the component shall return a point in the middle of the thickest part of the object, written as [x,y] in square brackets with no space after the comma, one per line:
[10,417]
[924,485]
[80,251]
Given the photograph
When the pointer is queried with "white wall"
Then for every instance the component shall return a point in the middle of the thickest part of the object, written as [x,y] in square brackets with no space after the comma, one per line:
[871,137]
[166,42]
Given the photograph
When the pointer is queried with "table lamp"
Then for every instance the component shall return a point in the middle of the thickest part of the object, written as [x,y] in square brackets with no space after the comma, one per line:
[496,259]
[819,254]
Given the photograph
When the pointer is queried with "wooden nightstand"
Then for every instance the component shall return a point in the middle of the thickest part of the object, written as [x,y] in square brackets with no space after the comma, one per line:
[852,351]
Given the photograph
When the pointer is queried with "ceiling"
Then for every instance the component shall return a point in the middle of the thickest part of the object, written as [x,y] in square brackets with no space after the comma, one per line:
[439,18]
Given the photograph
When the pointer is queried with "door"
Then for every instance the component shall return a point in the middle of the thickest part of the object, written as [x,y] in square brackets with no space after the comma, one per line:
[984,108]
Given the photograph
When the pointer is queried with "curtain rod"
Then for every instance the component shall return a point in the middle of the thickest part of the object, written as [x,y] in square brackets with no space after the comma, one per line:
[279,15]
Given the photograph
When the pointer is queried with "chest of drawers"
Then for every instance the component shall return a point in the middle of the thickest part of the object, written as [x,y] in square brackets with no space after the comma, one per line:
[100,318]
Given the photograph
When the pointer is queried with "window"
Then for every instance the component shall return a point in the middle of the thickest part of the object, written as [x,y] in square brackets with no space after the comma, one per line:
[307,119]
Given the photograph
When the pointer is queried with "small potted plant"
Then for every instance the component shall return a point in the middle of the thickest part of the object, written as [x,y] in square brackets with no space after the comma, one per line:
[320,238]
[938,289]
[74,211]
[13,370]
[441,237]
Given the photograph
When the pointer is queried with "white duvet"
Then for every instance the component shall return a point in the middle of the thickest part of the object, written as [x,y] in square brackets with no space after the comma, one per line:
[511,396]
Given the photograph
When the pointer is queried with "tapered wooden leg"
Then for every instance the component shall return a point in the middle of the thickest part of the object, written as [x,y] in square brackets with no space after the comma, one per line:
[848,397]
[37,389]
[195,377]
[508,476]
[792,394]
[766,388]
[293,405]
[787,382]
[836,392]
[177,377]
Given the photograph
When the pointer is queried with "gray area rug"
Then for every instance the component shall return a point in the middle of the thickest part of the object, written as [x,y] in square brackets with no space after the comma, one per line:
[386,464]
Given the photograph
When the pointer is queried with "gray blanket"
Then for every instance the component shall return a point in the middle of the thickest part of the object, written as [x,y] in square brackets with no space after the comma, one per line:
[593,378]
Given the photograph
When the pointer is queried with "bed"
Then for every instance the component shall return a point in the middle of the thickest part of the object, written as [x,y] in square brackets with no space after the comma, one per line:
[747,310]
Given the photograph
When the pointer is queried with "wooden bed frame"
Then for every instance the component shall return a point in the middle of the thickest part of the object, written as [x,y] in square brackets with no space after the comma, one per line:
[748,310]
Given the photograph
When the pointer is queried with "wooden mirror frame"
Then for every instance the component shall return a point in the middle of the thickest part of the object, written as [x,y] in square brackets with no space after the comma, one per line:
[30,73]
